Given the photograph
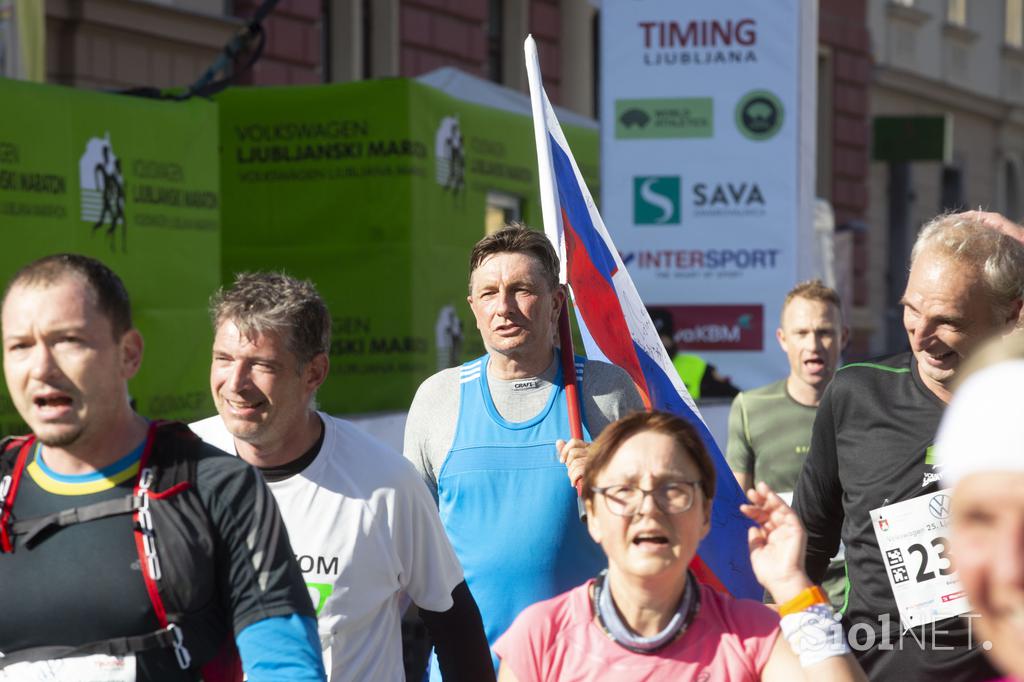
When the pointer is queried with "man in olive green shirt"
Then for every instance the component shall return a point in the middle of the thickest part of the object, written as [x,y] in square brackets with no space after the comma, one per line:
[769,436]
[770,426]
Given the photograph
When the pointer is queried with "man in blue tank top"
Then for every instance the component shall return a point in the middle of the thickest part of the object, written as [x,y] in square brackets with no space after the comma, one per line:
[491,438]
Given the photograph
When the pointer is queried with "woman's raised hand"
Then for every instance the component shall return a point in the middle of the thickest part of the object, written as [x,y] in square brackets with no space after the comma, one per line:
[777,543]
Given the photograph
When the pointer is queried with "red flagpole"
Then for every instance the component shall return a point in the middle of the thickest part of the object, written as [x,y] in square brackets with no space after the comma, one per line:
[572,394]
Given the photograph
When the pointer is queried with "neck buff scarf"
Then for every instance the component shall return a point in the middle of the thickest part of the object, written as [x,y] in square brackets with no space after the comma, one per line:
[608,617]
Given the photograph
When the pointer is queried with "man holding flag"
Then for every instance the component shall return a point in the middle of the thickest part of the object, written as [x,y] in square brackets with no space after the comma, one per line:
[615,326]
[484,435]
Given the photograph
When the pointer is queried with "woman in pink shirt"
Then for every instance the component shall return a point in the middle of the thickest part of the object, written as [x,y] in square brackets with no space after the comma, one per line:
[646,617]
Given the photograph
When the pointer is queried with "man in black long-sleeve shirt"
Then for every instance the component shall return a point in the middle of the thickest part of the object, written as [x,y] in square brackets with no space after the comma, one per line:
[873,434]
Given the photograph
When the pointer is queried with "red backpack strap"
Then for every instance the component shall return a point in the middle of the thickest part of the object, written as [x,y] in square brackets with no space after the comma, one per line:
[9,482]
[157,481]
[145,544]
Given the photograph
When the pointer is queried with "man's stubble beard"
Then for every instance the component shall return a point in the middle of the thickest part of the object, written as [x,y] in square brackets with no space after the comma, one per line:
[60,440]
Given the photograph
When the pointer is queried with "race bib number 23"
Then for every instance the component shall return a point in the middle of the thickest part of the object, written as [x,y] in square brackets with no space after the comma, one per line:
[913,539]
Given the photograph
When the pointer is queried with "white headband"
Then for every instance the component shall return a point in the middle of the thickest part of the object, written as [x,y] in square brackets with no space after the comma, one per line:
[983,427]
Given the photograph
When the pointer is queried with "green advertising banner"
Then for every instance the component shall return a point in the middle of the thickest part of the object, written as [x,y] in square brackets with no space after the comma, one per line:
[376,191]
[134,183]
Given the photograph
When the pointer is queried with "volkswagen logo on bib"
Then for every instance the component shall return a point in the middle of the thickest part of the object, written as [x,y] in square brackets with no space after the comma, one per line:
[939,506]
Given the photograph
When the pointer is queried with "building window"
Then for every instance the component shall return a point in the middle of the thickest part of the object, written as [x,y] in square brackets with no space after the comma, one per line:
[502,208]
[1011,178]
[956,12]
[952,188]
[1015,23]
[367,18]
[826,107]
[494,35]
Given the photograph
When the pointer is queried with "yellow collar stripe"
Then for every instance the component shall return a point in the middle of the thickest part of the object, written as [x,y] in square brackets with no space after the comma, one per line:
[56,487]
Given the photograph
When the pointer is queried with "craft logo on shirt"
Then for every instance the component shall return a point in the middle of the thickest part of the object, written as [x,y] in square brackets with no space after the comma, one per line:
[527,385]
[656,200]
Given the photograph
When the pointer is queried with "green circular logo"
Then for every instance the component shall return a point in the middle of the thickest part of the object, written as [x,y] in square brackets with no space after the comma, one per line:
[759,115]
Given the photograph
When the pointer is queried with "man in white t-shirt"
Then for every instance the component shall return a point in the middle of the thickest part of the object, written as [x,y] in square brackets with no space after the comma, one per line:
[362,524]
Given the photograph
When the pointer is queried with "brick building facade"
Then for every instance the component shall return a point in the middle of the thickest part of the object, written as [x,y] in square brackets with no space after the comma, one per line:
[843,144]
[118,44]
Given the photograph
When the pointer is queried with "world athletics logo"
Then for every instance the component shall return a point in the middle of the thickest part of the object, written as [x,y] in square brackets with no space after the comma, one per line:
[102,189]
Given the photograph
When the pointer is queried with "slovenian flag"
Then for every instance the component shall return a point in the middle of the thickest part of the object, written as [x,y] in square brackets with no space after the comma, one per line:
[616,328]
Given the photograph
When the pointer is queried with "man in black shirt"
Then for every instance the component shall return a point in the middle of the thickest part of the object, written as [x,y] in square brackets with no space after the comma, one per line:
[129,550]
[872,441]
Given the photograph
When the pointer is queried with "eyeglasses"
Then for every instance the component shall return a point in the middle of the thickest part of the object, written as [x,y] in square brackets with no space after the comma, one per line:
[674,497]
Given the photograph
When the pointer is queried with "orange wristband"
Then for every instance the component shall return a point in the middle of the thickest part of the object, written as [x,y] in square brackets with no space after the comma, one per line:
[806,599]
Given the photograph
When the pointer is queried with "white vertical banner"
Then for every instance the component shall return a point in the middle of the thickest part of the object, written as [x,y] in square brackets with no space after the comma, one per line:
[707,166]
[22,38]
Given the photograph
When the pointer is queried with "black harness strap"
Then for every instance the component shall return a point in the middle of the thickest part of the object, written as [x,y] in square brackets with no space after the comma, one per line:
[174,463]
[32,528]
[118,646]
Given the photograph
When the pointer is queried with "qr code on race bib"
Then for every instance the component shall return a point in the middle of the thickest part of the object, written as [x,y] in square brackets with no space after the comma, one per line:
[900,575]
[894,556]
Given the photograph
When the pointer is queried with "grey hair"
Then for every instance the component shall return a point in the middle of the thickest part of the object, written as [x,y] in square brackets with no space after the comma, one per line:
[258,302]
[999,257]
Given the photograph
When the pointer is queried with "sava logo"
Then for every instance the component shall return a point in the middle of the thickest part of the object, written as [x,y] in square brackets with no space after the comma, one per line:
[730,199]
[656,200]
[102,190]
